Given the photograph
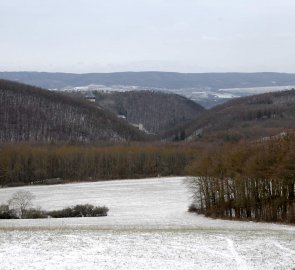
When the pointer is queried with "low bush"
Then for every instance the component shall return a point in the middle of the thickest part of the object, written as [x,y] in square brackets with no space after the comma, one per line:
[35,214]
[80,210]
[6,213]
[86,210]
[193,209]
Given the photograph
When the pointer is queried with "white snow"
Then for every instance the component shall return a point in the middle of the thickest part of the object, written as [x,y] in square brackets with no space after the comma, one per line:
[256,90]
[224,95]
[148,227]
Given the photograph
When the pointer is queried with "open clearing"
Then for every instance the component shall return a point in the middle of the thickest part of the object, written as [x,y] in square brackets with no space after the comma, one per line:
[148,227]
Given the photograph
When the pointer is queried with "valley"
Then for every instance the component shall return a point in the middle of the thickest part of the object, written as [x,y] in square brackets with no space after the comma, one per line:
[147,135]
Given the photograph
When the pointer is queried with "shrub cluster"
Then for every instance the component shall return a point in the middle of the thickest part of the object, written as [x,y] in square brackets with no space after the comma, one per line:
[86,210]
[6,212]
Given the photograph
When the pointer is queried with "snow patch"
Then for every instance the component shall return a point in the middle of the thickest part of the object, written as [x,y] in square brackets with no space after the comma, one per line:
[148,227]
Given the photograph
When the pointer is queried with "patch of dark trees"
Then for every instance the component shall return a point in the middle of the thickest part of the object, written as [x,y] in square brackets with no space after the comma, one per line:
[250,181]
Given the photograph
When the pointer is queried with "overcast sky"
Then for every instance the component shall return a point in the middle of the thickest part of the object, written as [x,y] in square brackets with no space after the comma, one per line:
[138,35]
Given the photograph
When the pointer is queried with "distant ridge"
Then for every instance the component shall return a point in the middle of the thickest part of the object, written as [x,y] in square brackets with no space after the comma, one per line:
[153,79]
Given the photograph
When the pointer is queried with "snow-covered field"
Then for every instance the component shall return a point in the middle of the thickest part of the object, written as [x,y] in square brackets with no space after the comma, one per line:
[148,227]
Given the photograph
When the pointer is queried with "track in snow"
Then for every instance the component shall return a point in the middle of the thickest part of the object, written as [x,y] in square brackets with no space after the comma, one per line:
[148,227]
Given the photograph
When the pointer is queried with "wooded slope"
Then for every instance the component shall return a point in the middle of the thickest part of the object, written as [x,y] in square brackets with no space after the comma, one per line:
[251,117]
[36,115]
[158,112]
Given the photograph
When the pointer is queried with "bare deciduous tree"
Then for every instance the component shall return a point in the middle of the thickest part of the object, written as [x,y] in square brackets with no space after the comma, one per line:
[20,202]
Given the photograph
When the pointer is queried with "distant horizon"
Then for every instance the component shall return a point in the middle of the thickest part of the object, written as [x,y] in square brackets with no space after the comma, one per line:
[145,71]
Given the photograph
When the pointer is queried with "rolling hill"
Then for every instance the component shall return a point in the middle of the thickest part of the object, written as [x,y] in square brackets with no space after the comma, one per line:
[156,111]
[31,114]
[246,118]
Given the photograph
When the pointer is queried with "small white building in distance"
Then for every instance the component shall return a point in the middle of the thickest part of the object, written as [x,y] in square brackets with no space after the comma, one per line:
[90,98]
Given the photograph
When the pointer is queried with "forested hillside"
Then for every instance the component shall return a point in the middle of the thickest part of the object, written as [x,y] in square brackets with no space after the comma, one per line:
[32,114]
[244,118]
[157,111]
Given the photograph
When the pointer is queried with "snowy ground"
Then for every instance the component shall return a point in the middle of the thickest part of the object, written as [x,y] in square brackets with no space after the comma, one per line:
[148,227]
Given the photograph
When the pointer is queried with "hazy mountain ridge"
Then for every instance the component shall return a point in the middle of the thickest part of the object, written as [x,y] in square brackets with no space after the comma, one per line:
[207,89]
[169,80]
[37,115]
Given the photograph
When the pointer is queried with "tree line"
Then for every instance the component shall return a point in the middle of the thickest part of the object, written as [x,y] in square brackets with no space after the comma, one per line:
[47,164]
[254,181]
